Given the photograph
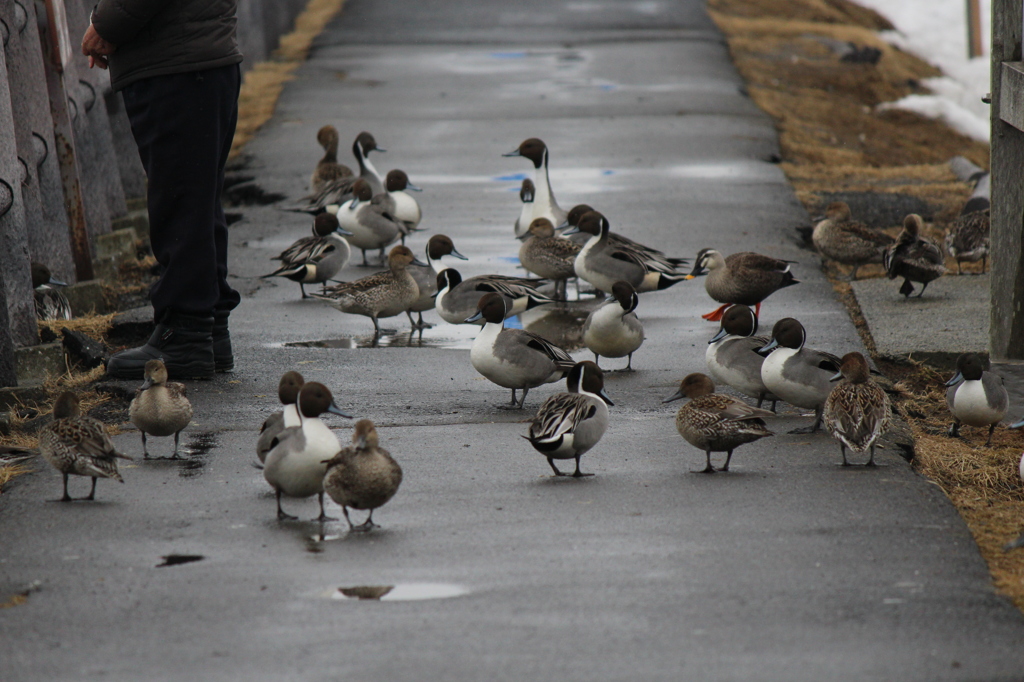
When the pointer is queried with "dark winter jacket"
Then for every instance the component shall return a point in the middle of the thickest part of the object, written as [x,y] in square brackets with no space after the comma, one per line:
[160,37]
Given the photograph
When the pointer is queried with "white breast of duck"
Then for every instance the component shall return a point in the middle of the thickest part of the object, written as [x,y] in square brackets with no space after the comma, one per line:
[976,406]
[504,356]
[613,329]
[733,362]
[407,209]
[299,471]
[526,193]
[793,375]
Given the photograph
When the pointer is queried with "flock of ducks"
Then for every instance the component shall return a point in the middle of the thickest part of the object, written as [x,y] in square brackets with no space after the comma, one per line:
[301,457]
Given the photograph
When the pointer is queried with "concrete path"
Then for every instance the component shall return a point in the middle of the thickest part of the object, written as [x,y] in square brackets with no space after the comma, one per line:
[786,568]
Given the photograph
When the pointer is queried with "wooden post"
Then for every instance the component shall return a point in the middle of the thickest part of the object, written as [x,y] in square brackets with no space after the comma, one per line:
[974,48]
[1006,330]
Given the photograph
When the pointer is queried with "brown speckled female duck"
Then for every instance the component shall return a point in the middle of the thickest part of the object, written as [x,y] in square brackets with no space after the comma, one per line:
[549,256]
[328,169]
[840,238]
[363,475]
[857,410]
[913,257]
[160,408]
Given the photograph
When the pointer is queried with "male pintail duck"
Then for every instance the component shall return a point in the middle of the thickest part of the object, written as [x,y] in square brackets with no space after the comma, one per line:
[328,169]
[544,204]
[160,408]
[407,209]
[438,246]
[526,193]
[1020,466]
[840,238]
[799,375]
[295,464]
[363,475]
[288,393]
[857,410]
[370,219]
[78,444]
[602,263]
[613,329]
[315,259]
[457,299]
[340,190]
[745,277]
[732,356]
[715,422]
[567,425]
[968,236]
[514,358]
[384,294]
[661,262]
[913,257]
[975,397]
[51,304]
[548,256]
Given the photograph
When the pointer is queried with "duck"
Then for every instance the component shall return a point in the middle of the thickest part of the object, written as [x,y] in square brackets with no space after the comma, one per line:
[913,257]
[745,277]
[526,192]
[732,358]
[543,204]
[602,263]
[514,358]
[662,262]
[160,407]
[407,210]
[438,246]
[370,220]
[315,259]
[568,425]
[840,238]
[363,475]
[968,236]
[457,298]
[294,466]
[548,256]
[799,375]
[332,194]
[51,304]
[715,422]
[613,329]
[857,410]
[74,443]
[975,396]
[288,393]
[384,294]
[1020,466]
[328,169]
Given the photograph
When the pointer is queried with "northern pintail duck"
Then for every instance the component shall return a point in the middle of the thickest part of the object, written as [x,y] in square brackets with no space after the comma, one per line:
[328,169]
[549,256]
[745,277]
[544,204]
[457,299]
[913,257]
[438,246]
[663,262]
[840,238]
[526,193]
[384,294]
[363,475]
[613,329]
[732,356]
[602,263]
[857,410]
[370,219]
[975,397]
[799,375]
[51,304]
[318,258]
[78,444]
[407,209]
[288,393]
[567,425]
[340,190]
[295,466]
[514,358]
[160,408]
[968,236]
[715,422]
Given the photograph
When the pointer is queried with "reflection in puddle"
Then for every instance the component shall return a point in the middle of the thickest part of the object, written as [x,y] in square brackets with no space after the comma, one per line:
[400,592]
[178,559]
[196,453]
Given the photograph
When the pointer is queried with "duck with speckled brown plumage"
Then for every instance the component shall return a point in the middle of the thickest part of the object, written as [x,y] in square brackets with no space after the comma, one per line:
[363,475]
[857,410]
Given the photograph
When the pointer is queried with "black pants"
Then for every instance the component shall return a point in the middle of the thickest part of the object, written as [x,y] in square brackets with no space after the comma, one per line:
[183,125]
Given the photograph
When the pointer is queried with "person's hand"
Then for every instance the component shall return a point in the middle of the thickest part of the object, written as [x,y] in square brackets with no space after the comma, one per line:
[96,48]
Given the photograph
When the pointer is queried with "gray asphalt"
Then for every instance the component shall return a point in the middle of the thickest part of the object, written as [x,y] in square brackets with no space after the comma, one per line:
[786,568]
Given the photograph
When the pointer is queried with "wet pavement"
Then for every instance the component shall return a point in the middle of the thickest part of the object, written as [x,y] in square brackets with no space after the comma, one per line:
[786,568]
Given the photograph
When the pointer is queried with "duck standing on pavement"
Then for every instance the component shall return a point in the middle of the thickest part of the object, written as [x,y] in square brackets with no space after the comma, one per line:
[857,410]
[975,397]
[840,238]
[799,375]
[328,169]
[544,204]
[315,259]
[74,443]
[567,425]
[331,194]
[613,329]
[744,277]
[363,475]
[968,236]
[457,298]
[288,393]
[438,246]
[715,422]
[370,220]
[661,262]
[913,257]
[160,408]
[548,256]
[732,356]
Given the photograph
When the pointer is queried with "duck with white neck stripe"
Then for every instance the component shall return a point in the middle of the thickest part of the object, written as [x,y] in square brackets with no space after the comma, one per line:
[457,298]
[544,204]
[732,356]
[975,397]
[613,329]
[288,393]
[438,246]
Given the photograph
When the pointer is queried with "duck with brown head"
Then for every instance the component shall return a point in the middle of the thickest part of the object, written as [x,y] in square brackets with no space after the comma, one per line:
[857,410]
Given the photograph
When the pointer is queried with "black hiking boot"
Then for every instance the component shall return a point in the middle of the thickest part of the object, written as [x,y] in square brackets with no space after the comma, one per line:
[183,342]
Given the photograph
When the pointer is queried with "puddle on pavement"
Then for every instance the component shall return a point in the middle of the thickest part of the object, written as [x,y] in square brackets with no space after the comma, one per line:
[179,559]
[196,453]
[400,592]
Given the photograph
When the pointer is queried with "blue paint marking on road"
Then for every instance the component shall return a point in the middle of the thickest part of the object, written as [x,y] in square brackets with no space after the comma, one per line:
[514,177]
[514,260]
[608,172]
[514,323]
